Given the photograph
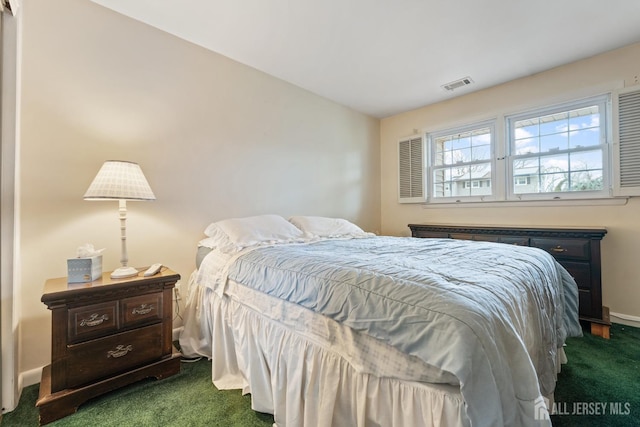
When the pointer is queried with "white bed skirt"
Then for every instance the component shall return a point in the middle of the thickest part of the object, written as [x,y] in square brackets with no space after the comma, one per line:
[303,381]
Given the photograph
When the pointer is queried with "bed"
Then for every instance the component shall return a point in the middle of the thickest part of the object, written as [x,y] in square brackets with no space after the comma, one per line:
[326,325]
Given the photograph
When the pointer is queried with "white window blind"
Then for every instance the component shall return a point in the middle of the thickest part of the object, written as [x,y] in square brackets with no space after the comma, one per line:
[627,173]
[411,170]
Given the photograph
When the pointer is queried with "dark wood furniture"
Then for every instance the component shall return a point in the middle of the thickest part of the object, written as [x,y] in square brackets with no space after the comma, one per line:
[106,334]
[576,249]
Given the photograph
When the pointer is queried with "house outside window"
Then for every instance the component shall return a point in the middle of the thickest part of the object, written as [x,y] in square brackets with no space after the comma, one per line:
[462,160]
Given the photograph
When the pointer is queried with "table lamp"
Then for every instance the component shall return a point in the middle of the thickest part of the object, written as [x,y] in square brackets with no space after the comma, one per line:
[120,180]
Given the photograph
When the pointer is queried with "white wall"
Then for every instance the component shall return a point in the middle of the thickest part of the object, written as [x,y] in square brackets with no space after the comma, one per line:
[215,139]
[620,247]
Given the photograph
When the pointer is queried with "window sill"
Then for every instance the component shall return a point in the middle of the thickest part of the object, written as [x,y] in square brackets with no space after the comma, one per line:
[613,201]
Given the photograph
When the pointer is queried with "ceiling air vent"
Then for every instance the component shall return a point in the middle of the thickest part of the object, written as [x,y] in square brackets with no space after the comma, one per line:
[458,83]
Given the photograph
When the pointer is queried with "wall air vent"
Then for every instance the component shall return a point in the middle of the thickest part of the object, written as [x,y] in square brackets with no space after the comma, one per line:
[458,83]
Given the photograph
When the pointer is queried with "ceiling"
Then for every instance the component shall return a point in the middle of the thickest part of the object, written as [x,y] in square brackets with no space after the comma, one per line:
[384,57]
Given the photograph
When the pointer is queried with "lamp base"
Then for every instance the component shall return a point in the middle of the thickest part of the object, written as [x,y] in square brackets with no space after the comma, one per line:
[122,272]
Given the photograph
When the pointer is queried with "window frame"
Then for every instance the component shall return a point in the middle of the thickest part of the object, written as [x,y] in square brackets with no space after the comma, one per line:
[430,162]
[502,170]
[605,138]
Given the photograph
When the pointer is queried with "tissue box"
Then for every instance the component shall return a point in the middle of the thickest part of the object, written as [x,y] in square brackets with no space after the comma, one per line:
[84,269]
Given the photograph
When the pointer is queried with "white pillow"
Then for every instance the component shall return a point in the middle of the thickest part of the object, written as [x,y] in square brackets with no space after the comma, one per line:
[209,242]
[234,234]
[323,227]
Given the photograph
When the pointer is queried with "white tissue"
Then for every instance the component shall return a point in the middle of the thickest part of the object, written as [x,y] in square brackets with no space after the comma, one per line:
[87,251]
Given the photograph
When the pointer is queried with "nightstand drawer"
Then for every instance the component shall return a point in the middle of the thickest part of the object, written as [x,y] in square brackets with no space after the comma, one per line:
[92,321]
[141,309]
[564,248]
[100,358]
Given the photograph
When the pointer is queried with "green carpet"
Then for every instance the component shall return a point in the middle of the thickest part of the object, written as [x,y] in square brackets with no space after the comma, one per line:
[599,370]
[186,399]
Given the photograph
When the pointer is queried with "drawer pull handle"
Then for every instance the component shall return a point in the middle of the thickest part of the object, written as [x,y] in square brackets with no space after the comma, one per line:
[143,309]
[94,320]
[558,249]
[120,351]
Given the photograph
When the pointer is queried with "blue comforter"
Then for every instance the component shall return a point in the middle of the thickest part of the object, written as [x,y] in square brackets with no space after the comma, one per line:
[492,315]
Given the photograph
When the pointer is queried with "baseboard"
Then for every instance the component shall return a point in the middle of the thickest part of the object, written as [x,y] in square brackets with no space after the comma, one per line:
[625,319]
[30,377]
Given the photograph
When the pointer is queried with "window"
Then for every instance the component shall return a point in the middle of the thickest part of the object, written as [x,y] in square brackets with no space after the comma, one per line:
[564,151]
[461,161]
[560,150]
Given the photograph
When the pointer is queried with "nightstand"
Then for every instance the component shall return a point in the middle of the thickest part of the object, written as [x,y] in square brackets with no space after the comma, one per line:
[106,334]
